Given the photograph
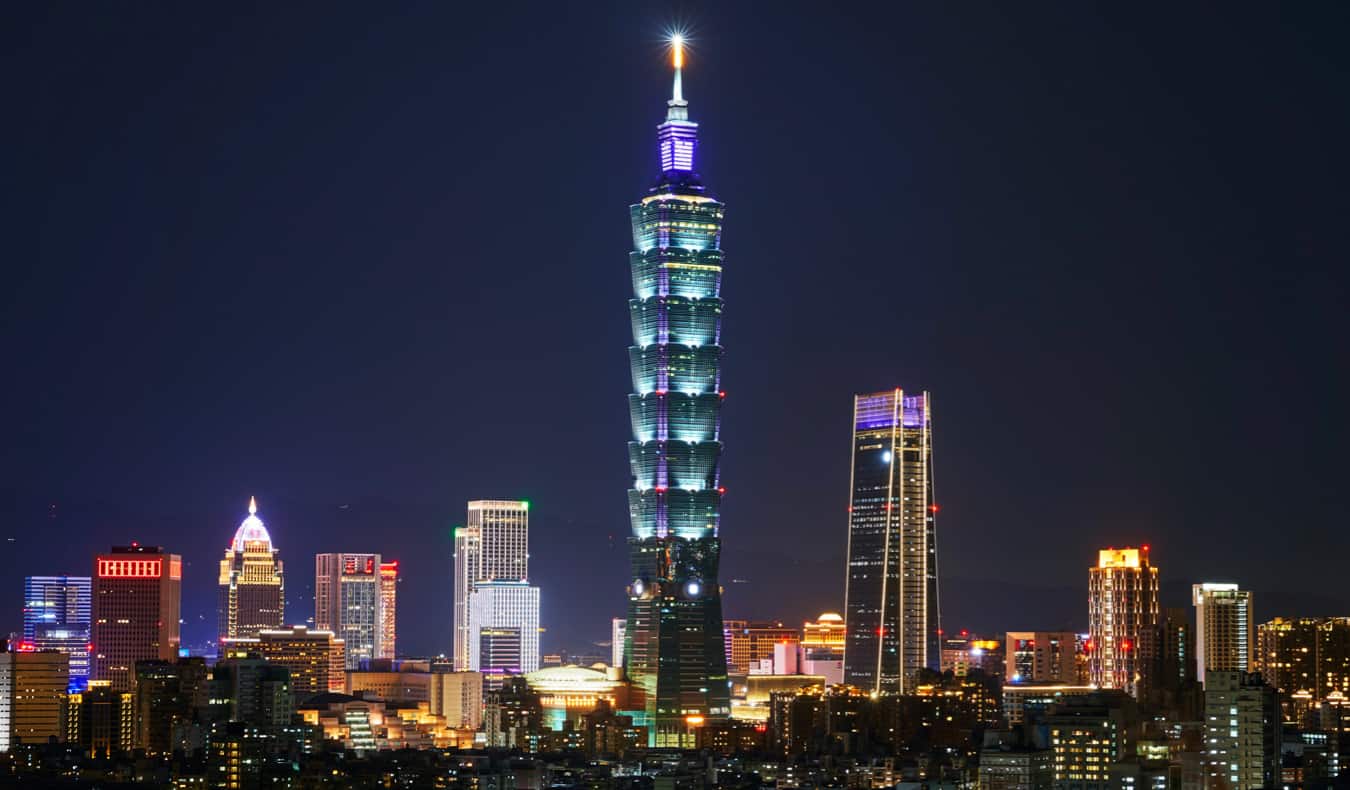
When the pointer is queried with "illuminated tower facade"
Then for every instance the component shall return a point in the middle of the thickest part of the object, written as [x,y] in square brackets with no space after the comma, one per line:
[56,616]
[1225,628]
[891,585]
[137,600]
[493,545]
[673,642]
[1122,618]
[252,595]
[388,608]
[348,602]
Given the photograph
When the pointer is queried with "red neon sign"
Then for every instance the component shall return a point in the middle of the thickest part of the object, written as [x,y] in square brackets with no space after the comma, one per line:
[129,569]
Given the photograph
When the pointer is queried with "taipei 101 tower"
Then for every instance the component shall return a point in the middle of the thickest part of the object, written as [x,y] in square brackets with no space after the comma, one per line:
[673,649]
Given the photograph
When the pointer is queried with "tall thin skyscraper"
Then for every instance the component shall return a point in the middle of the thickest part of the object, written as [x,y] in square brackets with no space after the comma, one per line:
[1122,618]
[494,545]
[1225,631]
[137,600]
[348,602]
[57,611]
[388,608]
[674,649]
[891,587]
[252,593]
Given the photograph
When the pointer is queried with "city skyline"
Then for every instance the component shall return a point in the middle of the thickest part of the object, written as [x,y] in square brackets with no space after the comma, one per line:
[351,453]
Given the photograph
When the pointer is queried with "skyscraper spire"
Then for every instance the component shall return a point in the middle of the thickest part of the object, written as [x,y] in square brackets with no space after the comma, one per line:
[252,506]
[678,136]
[677,60]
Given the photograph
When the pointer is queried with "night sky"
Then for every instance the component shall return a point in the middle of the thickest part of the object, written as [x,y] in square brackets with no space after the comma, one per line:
[367,262]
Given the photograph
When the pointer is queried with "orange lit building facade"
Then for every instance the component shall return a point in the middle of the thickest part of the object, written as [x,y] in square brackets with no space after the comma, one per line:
[1122,616]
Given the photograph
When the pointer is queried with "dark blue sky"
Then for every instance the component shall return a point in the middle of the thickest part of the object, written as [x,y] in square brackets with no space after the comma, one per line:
[368,263]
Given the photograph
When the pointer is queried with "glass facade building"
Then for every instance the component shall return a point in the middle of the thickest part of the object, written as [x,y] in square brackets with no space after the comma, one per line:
[498,609]
[56,616]
[673,644]
[493,545]
[348,601]
[891,588]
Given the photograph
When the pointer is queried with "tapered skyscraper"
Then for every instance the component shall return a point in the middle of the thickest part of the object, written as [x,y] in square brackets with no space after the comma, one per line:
[891,587]
[673,639]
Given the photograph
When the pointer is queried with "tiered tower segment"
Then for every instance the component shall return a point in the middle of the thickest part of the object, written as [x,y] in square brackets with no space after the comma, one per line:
[673,642]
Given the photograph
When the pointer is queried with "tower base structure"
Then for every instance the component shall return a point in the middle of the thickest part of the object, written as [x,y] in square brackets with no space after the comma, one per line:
[675,647]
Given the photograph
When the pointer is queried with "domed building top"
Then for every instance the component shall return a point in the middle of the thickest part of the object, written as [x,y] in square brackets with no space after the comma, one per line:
[572,678]
[251,530]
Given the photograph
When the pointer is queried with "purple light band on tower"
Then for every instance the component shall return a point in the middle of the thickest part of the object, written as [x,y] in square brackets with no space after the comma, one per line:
[878,411]
[677,140]
[915,412]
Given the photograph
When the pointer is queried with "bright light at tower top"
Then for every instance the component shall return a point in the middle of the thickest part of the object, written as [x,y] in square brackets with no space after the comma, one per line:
[677,50]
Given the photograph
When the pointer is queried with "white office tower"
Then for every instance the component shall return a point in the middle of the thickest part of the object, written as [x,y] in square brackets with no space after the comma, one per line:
[504,620]
[618,628]
[493,545]
[1225,633]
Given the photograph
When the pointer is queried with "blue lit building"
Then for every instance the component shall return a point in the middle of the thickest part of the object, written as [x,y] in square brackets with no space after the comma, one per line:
[56,616]
[673,644]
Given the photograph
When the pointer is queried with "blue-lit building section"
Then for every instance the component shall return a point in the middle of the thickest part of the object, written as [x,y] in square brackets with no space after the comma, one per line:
[56,616]
[891,594]
[674,652]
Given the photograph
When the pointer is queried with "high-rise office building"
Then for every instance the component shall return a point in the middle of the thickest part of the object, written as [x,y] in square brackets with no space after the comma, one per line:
[617,627]
[504,620]
[101,721]
[1242,731]
[56,616]
[137,599]
[388,608]
[1122,617]
[167,694]
[254,691]
[32,697]
[1172,682]
[674,652]
[891,584]
[493,545]
[348,601]
[314,657]
[252,594]
[1306,657]
[1041,657]
[1225,631]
